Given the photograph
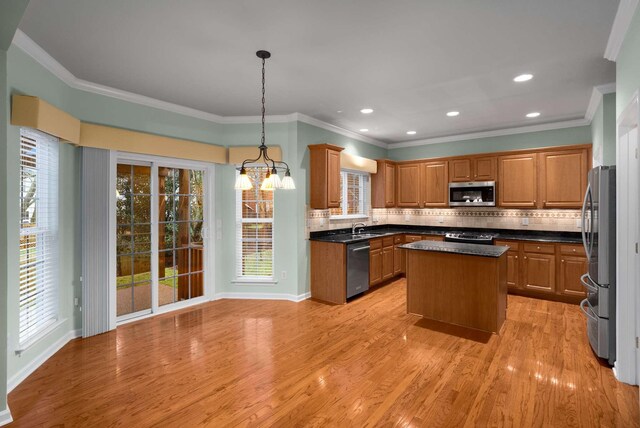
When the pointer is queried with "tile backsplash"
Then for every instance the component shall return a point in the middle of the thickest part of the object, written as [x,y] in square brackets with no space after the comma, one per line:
[498,218]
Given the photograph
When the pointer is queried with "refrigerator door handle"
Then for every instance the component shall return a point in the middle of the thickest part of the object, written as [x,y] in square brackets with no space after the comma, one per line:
[584,223]
[589,287]
[586,311]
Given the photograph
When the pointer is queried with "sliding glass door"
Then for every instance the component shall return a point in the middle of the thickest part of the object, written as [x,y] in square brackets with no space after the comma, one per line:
[133,239]
[161,216]
[181,249]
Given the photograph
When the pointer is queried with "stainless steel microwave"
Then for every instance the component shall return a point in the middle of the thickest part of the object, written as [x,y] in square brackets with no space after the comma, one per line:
[472,194]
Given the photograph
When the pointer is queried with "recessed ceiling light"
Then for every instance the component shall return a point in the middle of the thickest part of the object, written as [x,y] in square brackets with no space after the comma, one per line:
[364,130]
[366,110]
[533,114]
[453,113]
[411,132]
[523,78]
[339,111]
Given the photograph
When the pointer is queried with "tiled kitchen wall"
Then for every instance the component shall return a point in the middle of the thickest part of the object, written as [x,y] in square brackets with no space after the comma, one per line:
[553,220]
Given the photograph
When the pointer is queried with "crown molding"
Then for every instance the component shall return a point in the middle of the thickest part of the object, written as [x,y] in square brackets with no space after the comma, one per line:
[42,57]
[31,48]
[596,98]
[496,133]
[336,129]
[621,23]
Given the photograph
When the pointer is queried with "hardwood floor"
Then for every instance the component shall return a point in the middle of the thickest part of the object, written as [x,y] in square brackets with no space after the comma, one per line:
[368,363]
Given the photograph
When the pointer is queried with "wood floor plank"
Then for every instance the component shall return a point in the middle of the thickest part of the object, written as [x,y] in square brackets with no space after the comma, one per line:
[307,364]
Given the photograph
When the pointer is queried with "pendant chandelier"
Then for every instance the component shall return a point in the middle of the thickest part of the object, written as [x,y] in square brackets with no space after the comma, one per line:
[272,180]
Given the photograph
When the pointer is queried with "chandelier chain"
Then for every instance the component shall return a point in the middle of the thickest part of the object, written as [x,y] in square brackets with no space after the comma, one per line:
[263,101]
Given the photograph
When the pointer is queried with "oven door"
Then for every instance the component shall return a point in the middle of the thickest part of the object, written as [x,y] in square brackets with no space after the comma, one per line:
[472,194]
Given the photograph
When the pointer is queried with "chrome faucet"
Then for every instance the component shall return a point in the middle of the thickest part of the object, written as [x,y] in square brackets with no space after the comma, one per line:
[357,225]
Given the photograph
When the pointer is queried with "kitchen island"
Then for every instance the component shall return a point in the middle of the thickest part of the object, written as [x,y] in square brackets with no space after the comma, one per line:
[462,284]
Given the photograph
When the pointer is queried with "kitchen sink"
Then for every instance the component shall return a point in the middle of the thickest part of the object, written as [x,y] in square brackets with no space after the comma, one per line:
[366,235]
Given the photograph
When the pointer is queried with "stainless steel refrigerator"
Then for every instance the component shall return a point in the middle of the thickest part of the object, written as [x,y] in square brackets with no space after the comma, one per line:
[599,239]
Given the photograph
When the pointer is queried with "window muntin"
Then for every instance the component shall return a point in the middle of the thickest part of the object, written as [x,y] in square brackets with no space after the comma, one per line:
[38,278]
[254,229]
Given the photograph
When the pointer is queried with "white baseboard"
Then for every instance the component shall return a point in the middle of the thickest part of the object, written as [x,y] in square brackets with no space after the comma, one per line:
[263,296]
[5,417]
[40,359]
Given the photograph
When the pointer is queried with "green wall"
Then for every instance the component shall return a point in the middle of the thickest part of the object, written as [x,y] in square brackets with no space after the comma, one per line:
[603,131]
[556,137]
[628,65]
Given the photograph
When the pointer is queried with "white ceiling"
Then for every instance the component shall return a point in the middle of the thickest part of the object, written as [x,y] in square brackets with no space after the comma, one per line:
[411,61]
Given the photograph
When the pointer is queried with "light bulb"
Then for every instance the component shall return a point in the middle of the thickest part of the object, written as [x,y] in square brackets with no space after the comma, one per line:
[276,183]
[243,182]
[267,184]
[287,183]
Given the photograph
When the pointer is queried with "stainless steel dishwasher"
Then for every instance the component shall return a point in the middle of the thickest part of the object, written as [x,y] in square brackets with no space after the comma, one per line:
[357,268]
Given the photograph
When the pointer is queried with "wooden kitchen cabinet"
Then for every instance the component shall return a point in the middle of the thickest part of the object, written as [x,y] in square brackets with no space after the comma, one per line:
[383,185]
[375,261]
[473,169]
[398,260]
[572,265]
[435,184]
[539,270]
[485,168]
[388,265]
[460,170]
[408,193]
[324,182]
[513,264]
[563,178]
[517,185]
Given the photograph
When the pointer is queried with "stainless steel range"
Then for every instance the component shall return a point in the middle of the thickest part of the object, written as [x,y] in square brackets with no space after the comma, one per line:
[469,238]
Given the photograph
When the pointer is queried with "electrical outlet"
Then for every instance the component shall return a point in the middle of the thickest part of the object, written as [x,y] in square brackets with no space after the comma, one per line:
[440,219]
[407,218]
[578,223]
[75,301]
[283,274]
[525,221]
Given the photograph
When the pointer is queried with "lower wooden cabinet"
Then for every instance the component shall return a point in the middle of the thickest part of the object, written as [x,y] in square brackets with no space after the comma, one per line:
[549,271]
[375,266]
[387,262]
[398,260]
[539,273]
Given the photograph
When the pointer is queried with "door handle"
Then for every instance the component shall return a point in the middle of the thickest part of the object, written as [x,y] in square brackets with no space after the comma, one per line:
[585,284]
[361,248]
[584,303]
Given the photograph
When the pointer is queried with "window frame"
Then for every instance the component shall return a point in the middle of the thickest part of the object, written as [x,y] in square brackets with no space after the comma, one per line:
[46,233]
[239,220]
[364,199]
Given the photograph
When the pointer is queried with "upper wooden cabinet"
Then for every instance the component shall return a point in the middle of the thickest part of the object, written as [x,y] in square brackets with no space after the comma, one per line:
[485,168]
[435,184]
[473,169]
[324,183]
[460,170]
[563,178]
[517,185]
[383,185]
[408,185]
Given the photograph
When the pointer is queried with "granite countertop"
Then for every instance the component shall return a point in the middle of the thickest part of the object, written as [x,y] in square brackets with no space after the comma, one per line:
[457,248]
[344,236]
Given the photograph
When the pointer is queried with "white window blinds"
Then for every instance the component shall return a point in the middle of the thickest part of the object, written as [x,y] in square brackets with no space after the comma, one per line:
[353,194]
[38,233]
[254,229]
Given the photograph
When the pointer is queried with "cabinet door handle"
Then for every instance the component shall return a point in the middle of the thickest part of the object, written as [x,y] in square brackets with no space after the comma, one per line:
[525,257]
[516,257]
[562,261]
